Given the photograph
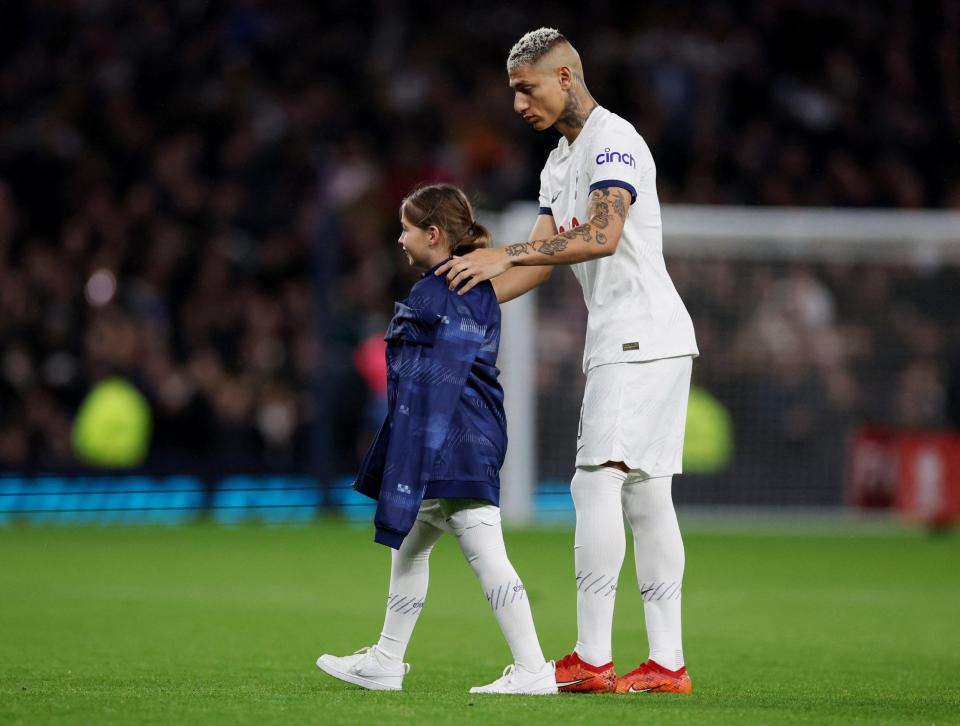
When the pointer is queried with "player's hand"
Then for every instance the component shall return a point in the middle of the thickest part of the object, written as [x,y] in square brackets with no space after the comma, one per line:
[465,273]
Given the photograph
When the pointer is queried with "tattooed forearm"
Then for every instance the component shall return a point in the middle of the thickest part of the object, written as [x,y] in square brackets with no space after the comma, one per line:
[552,246]
[521,248]
[583,232]
[547,247]
[606,206]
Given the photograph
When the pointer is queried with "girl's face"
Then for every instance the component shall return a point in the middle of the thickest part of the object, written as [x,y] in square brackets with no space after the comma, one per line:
[422,246]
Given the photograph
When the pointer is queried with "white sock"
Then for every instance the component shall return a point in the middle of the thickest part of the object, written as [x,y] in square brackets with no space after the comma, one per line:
[409,576]
[482,545]
[598,550]
[658,550]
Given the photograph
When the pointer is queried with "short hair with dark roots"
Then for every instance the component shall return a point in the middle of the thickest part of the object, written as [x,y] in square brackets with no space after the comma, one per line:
[533,46]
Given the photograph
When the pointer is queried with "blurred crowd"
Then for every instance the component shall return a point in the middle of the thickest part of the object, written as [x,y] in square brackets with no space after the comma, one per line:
[201,196]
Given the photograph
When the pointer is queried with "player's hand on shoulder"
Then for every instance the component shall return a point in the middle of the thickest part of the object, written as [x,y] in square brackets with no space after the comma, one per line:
[465,273]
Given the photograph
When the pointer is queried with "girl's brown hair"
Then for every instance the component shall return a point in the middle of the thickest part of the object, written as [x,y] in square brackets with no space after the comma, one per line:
[447,207]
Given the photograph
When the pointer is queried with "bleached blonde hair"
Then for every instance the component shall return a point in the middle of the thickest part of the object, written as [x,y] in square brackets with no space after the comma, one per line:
[533,46]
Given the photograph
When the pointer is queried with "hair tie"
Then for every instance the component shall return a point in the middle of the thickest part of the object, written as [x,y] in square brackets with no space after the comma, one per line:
[472,229]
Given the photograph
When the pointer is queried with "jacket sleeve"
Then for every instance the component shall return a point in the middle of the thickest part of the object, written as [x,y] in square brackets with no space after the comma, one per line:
[370,474]
[438,351]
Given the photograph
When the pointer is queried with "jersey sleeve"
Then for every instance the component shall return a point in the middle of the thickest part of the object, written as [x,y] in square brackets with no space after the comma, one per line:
[617,159]
[545,193]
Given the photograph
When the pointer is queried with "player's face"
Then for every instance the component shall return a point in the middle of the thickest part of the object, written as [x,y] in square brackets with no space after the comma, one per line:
[537,96]
[416,243]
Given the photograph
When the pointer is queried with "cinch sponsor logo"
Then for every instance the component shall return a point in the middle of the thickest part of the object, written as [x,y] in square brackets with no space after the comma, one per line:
[611,156]
[574,223]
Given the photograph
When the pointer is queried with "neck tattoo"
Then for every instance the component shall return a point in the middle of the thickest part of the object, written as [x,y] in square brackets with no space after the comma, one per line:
[579,105]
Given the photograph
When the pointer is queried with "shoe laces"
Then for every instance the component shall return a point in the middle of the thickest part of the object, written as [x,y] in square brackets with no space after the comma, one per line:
[507,674]
[567,661]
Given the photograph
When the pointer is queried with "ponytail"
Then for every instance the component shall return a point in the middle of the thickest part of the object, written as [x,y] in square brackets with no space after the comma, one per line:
[475,237]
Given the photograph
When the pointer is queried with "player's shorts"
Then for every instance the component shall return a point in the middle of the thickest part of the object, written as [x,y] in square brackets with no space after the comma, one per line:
[636,413]
[458,515]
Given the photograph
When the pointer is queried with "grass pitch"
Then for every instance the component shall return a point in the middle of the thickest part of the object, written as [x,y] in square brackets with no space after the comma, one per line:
[206,624]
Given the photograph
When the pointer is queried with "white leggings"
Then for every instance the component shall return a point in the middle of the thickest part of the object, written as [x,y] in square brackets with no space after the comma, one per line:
[602,496]
[476,525]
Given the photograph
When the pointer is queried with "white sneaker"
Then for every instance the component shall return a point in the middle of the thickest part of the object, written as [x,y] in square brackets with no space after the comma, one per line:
[517,680]
[364,668]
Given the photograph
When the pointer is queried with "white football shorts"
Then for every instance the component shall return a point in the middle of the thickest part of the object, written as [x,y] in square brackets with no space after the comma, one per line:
[456,516]
[636,413]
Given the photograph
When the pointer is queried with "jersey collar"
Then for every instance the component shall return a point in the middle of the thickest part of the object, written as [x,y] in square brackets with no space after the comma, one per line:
[434,268]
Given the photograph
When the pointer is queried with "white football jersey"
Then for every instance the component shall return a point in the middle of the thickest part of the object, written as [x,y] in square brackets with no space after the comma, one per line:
[633,310]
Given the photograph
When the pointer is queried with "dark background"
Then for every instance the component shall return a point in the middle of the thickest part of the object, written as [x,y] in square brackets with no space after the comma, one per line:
[236,167]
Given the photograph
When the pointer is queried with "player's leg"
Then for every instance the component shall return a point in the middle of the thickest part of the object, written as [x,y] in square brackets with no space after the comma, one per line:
[477,528]
[599,546]
[600,542]
[660,389]
[381,667]
[659,555]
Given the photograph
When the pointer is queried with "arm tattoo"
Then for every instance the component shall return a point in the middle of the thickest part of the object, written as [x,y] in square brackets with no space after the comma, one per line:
[600,201]
[521,248]
[620,207]
[583,232]
[552,246]
[592,231]
[548,247]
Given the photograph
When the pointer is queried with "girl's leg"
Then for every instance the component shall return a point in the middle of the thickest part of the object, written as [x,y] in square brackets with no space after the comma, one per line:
[409,575]
[478,531]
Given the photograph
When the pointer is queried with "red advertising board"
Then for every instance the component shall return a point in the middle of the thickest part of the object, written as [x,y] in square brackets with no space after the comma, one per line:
[917,472]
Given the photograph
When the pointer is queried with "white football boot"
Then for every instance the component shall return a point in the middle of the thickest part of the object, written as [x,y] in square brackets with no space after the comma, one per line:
[520,681]
[366,669]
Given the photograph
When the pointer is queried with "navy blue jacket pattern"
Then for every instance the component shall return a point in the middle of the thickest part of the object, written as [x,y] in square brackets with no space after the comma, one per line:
[445,433]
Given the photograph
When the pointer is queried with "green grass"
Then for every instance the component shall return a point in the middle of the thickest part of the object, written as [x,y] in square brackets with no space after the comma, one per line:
[206,625]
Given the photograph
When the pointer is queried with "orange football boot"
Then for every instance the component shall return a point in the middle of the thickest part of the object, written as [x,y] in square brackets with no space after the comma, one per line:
[651,677]
[577,676]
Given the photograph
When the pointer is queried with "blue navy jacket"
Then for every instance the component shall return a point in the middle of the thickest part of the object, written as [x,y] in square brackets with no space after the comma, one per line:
[445,433]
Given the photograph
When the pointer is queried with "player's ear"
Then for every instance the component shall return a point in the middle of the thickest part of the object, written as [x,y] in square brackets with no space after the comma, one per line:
[565,76]
[433,234]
